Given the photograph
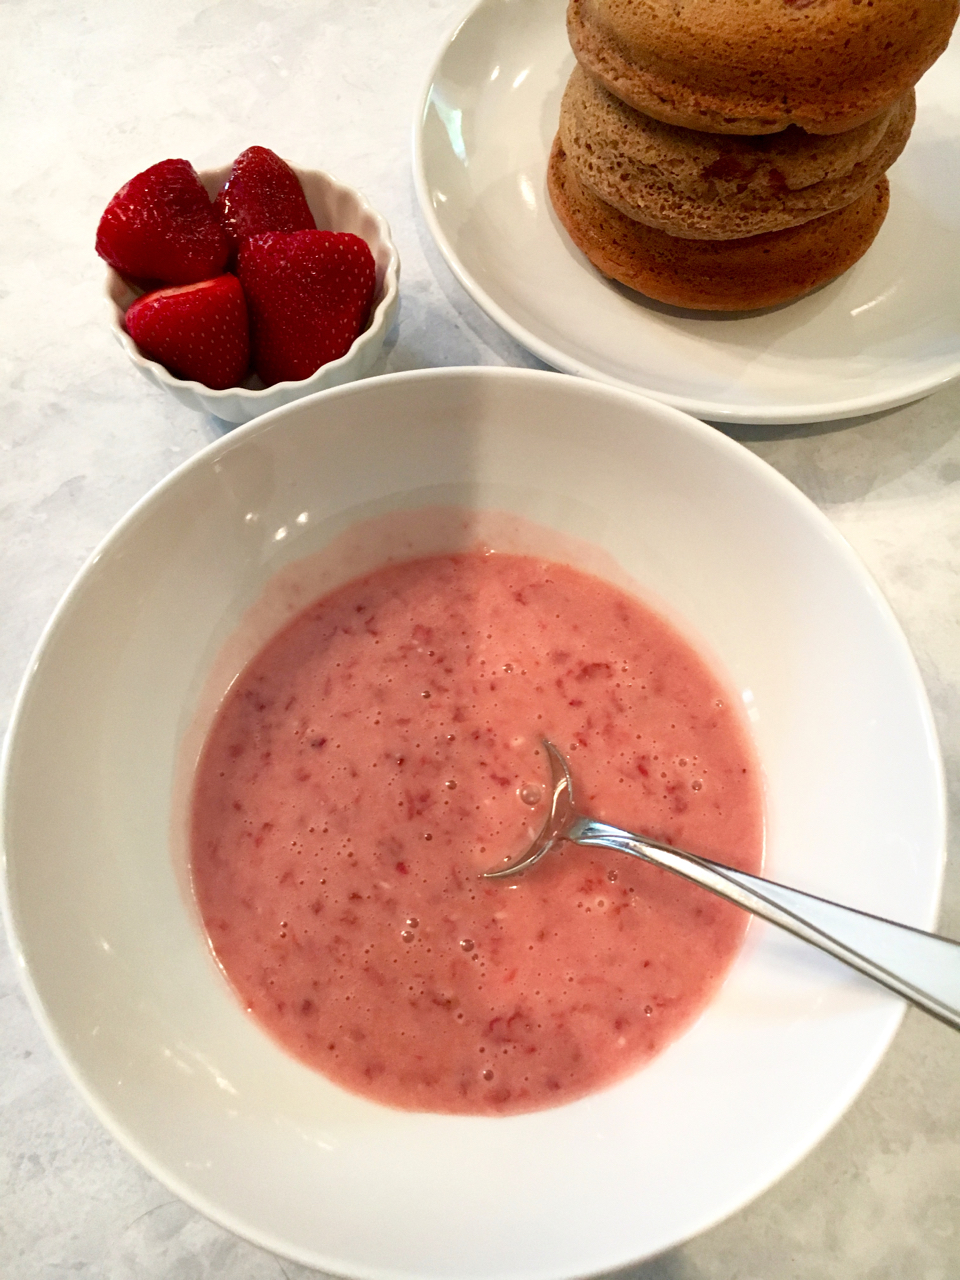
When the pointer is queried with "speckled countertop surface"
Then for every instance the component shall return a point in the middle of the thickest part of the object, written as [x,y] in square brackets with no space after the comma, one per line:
[91,94]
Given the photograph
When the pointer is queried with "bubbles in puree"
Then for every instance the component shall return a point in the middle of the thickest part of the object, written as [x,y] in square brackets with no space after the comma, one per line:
[384,749]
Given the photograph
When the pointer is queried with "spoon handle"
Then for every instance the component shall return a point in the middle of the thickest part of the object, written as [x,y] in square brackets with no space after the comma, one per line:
[922,967]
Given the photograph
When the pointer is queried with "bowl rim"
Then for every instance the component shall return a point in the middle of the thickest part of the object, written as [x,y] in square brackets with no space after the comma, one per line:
[379,316]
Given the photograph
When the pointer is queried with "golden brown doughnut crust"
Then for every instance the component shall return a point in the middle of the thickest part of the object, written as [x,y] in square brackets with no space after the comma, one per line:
[714,275]
[756,66]
[709,186]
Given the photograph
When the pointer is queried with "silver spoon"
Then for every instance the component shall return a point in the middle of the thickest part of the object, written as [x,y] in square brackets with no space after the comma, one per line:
[922,967]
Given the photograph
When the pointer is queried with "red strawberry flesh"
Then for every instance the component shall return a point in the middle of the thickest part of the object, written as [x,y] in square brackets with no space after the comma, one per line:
[160,226]
[309,294]
[262,194]
[197,331]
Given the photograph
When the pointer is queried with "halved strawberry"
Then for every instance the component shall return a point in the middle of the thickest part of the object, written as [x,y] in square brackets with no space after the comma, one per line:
[309,294]
[262,194]
[160,226]
[198,331]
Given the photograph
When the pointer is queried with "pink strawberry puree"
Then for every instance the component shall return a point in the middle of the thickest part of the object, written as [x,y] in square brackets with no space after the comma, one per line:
[385,748]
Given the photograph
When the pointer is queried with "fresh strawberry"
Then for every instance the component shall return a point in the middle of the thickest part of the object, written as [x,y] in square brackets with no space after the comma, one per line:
[161,226]
[262,194]
[198,331]
[309,294]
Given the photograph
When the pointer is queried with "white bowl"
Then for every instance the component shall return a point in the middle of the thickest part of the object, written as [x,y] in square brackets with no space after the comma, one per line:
[118,970]
[335,208]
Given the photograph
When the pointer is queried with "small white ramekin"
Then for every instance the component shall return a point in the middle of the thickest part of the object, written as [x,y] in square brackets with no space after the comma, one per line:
[335,208]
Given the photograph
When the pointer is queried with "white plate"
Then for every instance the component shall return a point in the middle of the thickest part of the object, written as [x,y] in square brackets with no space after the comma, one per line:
[886,333]
[116,964]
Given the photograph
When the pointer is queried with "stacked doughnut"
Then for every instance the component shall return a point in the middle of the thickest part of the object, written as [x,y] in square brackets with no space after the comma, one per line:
[727,155]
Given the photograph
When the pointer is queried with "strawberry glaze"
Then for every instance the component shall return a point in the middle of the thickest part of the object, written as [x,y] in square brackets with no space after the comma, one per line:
[384,749]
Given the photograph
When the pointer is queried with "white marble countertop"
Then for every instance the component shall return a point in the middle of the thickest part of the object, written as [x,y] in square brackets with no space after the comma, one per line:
[93,93]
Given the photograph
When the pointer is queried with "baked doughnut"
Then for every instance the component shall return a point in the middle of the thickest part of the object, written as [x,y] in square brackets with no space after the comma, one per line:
[714,275]
[708,186]
[756,66]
